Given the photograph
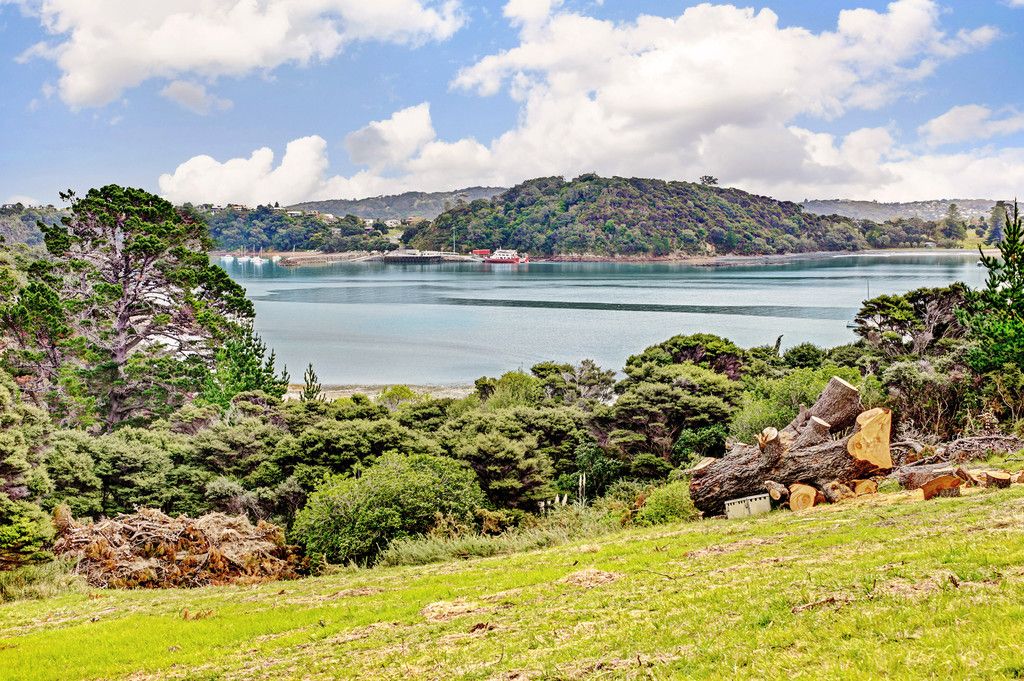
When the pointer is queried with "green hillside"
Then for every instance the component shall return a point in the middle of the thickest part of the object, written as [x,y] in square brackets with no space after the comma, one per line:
[642,217]
[886,586]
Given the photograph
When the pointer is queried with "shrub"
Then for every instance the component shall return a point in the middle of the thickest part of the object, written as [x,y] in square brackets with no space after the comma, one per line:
[43,580]
[803,356]
[567,524]
[354,519]
[668,504]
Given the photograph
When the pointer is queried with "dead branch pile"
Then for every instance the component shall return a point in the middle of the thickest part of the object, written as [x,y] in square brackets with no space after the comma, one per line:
[148,549]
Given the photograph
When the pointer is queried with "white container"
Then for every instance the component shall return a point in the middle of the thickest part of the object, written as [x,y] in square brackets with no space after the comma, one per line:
[748,506]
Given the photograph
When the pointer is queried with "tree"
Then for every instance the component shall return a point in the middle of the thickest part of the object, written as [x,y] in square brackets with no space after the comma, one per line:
[354,519]
[709,180]
[24,528]
[953,225]
[997,223]
[241,365]
[312,391]
[994,315]
[122,319]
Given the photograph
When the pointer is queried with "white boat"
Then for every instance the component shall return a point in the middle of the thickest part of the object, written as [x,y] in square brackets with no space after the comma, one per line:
[275,258]
[257,260]
[242,258]
[227,258]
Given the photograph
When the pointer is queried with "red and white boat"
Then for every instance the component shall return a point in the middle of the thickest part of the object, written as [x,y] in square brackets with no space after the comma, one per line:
[504,256]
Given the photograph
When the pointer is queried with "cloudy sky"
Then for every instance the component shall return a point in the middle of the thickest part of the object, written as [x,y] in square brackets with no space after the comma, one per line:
[287,100]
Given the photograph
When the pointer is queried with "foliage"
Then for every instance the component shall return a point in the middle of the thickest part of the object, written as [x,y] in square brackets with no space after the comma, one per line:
[804,355]
[122,319]
[241,365]
[574,385]
[354,519]
[40,581]
[563,525]
[24,527]
[995,314]
[635,216]
[667,504]
[775,402]
[312,391]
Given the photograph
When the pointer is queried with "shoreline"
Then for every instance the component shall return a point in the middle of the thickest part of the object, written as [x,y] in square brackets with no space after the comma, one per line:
[373,390]
[315,258]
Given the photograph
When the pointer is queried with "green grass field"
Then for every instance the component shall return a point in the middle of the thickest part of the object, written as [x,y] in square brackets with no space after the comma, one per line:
[886,585]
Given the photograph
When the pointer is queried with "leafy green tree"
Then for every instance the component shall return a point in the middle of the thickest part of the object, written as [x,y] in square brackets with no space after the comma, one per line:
[241,365]
[122,318]
[804,355]
[354,519]
[709,180]
[572,385]
[24,527]
[994,315]
[312,391]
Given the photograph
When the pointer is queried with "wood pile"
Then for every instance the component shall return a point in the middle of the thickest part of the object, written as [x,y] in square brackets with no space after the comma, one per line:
[829,452]
[149,549]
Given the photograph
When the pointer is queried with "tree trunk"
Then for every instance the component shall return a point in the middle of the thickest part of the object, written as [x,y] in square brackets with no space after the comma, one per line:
[803,452]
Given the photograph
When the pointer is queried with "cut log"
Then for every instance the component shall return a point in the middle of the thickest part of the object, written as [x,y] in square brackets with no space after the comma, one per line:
[772,445]
[942,486]
[997,479]
[743,471]
[802,497]
[838,405]
[815,432]
[702,464]
[969,478]
[913,477]
[1018,478]
[778,492]
[871,441]
[862,487]
[836,491]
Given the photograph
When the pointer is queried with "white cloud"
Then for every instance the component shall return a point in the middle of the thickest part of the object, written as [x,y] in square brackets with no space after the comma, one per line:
[970,123]
[194,97]
[716,90]
[387,143]
[104,47]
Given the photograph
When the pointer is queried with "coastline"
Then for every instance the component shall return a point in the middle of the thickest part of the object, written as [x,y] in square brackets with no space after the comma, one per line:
[373,390]
[315,258]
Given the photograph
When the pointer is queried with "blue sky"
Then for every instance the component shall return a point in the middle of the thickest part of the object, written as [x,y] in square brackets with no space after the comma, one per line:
[895,101]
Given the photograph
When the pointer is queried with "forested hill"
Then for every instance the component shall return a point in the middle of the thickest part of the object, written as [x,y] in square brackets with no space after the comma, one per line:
[400,206]
[593,215]
[880,212]
[19,224]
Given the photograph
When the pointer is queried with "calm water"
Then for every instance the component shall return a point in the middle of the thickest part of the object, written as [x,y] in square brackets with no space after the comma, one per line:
[450,323]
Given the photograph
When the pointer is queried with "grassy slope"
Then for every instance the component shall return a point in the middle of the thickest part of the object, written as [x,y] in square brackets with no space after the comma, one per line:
[921,589]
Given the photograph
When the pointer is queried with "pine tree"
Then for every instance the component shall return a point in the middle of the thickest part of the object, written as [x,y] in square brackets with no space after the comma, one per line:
[996,221]
[995,314]
[311,389]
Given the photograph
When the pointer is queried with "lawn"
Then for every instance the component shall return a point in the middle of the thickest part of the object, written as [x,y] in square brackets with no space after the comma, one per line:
[886,585]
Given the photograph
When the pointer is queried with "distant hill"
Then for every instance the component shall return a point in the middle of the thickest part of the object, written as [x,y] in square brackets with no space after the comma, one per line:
[617,216]
[408,205]
[880,212]
[18,223]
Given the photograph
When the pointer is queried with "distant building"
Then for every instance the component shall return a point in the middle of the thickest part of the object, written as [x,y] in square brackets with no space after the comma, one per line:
[415,220]
[393,223]
[295,213]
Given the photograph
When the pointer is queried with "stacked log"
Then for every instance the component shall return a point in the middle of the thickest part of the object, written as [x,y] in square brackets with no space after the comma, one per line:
[817,450]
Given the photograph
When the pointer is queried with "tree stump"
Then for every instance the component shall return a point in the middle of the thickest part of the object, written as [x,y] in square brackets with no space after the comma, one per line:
[999,479]
[802,497]
[942,486]
[862,487]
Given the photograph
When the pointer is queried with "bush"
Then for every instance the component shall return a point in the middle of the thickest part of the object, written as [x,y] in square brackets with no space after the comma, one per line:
[668,504]
[564,525]
[805,355]
[354,519]
[42,580]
